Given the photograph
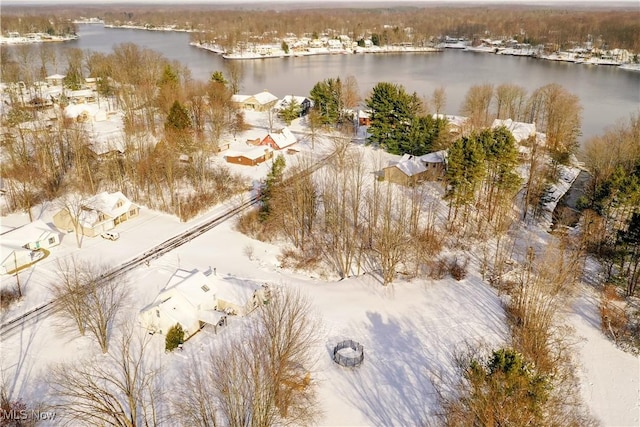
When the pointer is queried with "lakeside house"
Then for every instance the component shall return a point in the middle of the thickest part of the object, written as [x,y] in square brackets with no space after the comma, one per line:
[21,246]
[262,101]
[302,102]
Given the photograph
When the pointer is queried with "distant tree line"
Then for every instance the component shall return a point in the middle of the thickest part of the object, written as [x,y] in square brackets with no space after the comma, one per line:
[559,27]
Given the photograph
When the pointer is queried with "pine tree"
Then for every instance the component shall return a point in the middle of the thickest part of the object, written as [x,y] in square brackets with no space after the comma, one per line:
[274,177]
[327,100]
[174,337]
[502,181]
[465,171]
[393,112]
[291,111]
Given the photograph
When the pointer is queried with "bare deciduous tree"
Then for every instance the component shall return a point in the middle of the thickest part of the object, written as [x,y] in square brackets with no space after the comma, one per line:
[88,298]
[261,376]
[119,389]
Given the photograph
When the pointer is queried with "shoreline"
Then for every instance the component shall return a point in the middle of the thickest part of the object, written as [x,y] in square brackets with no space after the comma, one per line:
[312,51]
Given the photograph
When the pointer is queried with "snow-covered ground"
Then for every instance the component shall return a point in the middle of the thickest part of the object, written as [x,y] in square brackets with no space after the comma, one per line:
[409,330]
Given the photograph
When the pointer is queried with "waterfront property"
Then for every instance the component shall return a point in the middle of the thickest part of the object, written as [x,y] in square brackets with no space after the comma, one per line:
[262,101]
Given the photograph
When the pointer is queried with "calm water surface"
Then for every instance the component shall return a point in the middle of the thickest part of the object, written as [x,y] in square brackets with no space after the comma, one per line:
[607,94]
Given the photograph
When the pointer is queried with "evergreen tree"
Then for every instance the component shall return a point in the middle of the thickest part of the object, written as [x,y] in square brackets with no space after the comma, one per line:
[327,100]
[504,390]
[465,171]
[169,76]
[502,181]
[290,112]
[274,177]
[73,79]
[174,337]
[218,77]
[178,118]
[392,117]
[177,128]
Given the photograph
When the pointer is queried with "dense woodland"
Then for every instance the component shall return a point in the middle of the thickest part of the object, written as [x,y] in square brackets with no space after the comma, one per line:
[557,27]
[340,220]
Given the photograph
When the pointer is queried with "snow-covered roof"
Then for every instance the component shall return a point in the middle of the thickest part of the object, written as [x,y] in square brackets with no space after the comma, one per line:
[519,130]
[236,292]
[35,231]
[72,111]
[55,77]
[410,165]
[364,114]
[284,138]
[194,286]
[239,98]
[287,100]
[81,93]
[253,154]
[435,157]
[265,97]
[458,121]
[111,204]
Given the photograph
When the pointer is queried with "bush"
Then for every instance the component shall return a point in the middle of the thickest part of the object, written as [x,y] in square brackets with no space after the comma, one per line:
[438,269]
[8,297]
[504,389]
[175,337]
[457,269]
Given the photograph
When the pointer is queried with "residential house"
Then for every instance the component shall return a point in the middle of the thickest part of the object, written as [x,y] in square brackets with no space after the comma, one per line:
[435,164]
[252,157]
[279,140]
[55,79]
[81,96]
[238,297]
[303,102]
[409,170]
[188,298]
[98,214]
[520,131]
[194,300]
[364,118]
[21,246]
[457,125]
[262,101]
[84,113]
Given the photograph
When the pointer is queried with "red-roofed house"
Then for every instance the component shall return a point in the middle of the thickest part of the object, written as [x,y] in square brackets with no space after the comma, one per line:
[279,140]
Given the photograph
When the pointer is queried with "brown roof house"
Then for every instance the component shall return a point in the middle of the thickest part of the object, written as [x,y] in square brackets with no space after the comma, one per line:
[252,157]
[279,140]
[409,170]
[98,214]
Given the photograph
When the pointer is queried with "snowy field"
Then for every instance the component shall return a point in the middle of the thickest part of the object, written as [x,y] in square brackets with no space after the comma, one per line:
[410,330]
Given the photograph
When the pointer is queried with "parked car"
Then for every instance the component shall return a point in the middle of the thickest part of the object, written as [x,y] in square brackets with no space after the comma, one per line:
[110,235]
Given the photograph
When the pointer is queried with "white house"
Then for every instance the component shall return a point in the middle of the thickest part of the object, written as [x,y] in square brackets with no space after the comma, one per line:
[100,213]
[21,246]
[188,298]
[520,131]
[193,300]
